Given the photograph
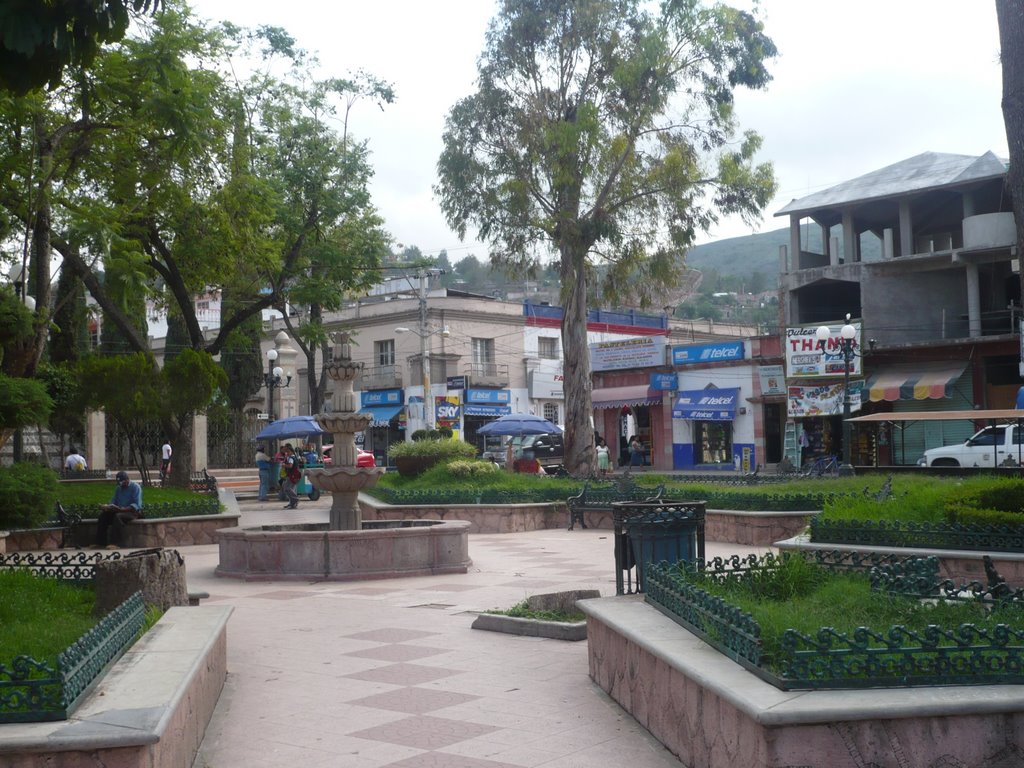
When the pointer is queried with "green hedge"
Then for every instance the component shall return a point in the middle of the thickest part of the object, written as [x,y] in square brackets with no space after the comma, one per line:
[28,495]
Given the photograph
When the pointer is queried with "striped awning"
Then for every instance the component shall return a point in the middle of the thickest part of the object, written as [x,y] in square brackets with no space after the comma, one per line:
[619,397]
[930,380]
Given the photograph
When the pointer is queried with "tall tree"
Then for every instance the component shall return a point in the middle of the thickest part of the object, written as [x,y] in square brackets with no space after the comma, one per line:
[150,206]
[1010,16]
[38,40]
[605,132]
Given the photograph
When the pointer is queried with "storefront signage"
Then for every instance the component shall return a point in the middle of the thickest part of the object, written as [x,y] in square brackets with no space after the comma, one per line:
[381,397]
[471,409]
[447,411]
[547,385]
[706,405]
[456,382]
[806,360]
[640,352]
[488,396]
[707,353]
[773,379]
[665,382]
[822,400]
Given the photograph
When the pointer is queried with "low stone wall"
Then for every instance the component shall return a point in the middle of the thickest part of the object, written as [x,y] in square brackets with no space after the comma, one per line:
[760,529]
[712,713]
[958,565]
[755,529]
[139,534]
[150,710]
[310,552]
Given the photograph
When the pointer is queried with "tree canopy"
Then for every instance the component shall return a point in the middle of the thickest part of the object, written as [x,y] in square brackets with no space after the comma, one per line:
[604,133]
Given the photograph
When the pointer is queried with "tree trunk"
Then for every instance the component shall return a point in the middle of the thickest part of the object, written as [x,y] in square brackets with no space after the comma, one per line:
[579,421]
[1010,15]
[180,437]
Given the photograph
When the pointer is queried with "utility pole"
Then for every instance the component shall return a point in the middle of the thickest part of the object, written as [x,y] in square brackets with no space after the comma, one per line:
[428,404]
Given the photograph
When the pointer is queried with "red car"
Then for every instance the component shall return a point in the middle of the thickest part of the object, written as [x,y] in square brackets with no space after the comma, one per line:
[363,458]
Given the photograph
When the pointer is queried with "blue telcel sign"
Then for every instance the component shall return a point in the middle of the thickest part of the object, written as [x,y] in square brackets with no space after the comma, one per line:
[381,397]
[707,353]
[500,396]
[706,405]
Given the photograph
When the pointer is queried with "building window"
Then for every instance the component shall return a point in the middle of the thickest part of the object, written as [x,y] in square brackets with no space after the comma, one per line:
[547,347]
[483,350]
[551,412]
[384,352]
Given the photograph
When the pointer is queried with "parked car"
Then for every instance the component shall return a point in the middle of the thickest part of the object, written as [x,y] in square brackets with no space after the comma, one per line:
[991,447]
[549,450]
[363,458]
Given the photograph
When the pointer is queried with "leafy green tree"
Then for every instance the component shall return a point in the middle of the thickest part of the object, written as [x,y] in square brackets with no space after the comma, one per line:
[159,202]
[69,335]
[23,401]
[38,40]
[604,130]
[62,385]
[134,394]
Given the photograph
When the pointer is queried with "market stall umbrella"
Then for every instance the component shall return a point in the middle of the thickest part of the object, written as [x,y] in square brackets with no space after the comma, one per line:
[292,426]
[520,424]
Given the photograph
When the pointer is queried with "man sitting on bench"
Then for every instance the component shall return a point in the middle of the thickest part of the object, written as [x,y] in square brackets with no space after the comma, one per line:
[122,509]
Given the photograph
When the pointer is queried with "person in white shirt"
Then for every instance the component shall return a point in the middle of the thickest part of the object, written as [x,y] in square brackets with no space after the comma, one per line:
[75,461]
[165,459]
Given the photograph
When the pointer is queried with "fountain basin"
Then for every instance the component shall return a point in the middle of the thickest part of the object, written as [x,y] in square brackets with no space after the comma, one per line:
[311,552]
[344,479]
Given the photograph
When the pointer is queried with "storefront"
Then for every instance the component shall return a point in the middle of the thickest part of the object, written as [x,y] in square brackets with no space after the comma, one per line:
[388,425]
[623,413]
[483,406]
[710,414]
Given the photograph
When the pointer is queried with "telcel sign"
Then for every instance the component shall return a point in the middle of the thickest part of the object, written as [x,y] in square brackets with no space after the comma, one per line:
[707,353]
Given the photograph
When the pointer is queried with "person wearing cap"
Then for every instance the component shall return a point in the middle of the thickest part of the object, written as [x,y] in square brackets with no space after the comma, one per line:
[122,509]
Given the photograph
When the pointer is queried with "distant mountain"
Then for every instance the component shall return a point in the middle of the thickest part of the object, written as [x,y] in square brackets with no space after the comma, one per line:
[760,253]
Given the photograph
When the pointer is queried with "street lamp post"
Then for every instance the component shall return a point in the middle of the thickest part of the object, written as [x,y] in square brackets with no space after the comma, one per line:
[274,378]
[847,340]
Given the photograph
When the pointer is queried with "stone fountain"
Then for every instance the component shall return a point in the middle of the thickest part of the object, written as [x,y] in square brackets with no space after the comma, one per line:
[344,479]
[344,548]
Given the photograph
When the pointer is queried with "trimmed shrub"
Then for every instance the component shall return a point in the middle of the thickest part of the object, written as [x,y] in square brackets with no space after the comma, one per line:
[996,502]
[29,493]
[473,468]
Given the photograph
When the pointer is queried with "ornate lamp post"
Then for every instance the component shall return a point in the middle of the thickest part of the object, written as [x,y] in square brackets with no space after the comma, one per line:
[274,378]
[847,336]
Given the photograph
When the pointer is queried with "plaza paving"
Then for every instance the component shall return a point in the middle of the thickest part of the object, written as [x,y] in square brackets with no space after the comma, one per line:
[388,673]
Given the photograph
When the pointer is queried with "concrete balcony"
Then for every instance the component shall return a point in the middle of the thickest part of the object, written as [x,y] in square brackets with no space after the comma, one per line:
[486,374]
[380,377]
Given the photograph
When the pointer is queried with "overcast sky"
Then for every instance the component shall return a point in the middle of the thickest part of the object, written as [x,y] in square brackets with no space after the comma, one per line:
[857,86]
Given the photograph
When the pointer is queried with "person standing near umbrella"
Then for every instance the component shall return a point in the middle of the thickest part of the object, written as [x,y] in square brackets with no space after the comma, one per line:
[264,465]
[292,474]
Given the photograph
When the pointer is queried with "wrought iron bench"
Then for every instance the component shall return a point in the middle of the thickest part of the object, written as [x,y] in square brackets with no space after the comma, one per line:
[599,496]
[66,522]
[202,482]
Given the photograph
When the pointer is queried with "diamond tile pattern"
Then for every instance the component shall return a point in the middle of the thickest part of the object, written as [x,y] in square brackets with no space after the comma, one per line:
[403,674]
[413,700]
[425,732]
[397,652]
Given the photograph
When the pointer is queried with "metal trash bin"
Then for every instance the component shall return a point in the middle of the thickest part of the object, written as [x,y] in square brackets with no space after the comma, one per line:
[653,531]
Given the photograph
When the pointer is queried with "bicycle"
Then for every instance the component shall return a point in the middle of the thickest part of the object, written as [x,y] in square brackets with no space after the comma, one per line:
[823,466]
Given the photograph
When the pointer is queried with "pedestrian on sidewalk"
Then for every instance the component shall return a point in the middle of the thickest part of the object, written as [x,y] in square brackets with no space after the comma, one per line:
[264,465]
[292,470]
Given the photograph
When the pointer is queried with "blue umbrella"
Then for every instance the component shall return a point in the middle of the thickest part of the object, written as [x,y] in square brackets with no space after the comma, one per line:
[520,424]
[292,426]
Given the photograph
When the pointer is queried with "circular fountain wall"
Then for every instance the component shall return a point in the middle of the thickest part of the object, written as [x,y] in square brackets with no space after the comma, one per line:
[344,548]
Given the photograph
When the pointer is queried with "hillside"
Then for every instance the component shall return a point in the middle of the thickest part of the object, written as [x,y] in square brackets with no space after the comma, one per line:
[760,253]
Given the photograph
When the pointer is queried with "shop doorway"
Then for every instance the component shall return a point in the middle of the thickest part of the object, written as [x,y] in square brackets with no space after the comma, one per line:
[634,421]
[774,431]
[713,442]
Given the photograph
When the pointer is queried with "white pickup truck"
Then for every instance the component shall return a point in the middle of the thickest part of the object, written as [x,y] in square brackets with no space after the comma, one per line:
[991,447]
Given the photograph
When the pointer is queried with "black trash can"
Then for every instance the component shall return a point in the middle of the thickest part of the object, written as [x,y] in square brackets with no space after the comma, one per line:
[656,531]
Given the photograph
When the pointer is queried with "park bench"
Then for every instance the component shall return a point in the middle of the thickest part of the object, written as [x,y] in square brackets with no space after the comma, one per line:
[66,522]
[599,496]
[202,482]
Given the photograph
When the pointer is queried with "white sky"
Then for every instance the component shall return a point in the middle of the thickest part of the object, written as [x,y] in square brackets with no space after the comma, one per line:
[857,86]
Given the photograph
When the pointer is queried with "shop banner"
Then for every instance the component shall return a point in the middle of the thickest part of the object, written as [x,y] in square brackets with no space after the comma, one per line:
[707,353]
[822,400]
[773,380]
[806,360]
[381,397]
[664,382]
[640,352]
[447,411]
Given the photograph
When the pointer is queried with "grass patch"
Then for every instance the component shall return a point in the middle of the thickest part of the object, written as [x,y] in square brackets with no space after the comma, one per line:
[523,611]
[806,597]
[102,493]
[40,617]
